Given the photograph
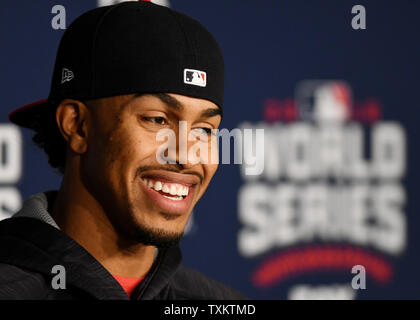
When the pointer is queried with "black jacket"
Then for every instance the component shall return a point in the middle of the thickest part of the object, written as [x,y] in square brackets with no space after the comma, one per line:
[29,248]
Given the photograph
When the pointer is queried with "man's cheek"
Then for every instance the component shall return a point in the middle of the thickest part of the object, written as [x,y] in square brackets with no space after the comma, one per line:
[146,147]
[210,170]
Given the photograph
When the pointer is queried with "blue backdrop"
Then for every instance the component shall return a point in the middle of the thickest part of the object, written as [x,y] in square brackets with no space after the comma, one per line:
[299,70]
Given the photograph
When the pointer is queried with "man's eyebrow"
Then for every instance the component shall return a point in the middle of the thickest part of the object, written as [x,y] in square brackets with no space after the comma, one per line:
[168,100]
[211,112]
[177,105]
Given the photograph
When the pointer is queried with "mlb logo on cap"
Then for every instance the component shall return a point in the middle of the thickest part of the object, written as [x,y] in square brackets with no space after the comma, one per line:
[195,77]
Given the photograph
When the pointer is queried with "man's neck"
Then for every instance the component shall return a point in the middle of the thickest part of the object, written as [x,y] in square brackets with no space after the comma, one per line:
[81,217]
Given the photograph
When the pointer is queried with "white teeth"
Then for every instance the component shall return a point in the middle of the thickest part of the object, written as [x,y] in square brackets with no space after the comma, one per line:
[180,191]
[172,188]
[165,188]
[184,190]
[158,186]
[173,198]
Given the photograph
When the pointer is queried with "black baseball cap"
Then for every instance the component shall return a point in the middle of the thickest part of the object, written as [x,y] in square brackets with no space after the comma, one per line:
[131,47]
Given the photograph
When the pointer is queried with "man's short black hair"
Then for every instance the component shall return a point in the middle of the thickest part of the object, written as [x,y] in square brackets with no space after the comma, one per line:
[49,138]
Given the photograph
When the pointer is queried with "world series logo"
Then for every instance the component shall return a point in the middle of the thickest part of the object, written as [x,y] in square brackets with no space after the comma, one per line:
[331,194]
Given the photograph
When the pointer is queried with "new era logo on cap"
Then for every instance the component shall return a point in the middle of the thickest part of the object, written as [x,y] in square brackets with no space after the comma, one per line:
[195,77]
[66,75]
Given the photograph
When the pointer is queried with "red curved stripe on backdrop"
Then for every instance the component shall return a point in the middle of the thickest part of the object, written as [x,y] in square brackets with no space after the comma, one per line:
[320,258]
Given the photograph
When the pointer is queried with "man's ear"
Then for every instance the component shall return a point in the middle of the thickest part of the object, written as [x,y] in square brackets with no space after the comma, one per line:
[72,118]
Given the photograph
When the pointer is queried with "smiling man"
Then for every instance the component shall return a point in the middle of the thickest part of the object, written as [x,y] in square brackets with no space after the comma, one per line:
[122,74]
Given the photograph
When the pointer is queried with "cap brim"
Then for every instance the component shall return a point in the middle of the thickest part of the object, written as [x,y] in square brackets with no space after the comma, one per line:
[25,116]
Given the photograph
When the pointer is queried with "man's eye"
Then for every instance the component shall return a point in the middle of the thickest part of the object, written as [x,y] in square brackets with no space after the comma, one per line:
[203,130]
[157,120]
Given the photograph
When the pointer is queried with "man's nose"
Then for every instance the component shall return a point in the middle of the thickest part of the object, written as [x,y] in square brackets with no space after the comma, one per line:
[185,152]
[177,146]
[183,145]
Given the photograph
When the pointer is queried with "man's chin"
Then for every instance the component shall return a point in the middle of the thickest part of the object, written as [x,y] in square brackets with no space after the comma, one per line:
[157,237]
